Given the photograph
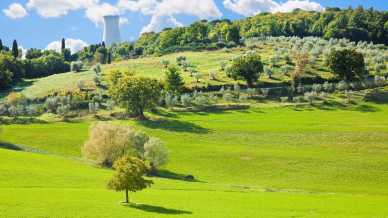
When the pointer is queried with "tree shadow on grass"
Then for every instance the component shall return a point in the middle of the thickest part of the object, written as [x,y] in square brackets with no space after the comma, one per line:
[378,97]
[9,146]
[173,125]
[366,108]
[158,209]
[166,174]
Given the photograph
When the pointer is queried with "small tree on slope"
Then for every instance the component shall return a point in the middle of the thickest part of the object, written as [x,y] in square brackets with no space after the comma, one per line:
[129,176]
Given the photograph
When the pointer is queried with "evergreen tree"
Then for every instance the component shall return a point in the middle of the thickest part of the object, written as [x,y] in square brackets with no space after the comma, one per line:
[109,58]
[15,49]
[63,46]
[1,45]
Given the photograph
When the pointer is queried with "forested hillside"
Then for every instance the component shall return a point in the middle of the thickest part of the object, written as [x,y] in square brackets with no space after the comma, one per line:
[354,24]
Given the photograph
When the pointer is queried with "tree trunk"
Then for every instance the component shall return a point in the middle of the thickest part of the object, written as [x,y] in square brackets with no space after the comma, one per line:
[142,116]
[126,196]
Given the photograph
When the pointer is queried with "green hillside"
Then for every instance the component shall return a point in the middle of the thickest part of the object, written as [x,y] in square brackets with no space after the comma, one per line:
[268,161]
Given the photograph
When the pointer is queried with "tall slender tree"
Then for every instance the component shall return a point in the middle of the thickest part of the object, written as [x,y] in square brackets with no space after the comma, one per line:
[15,49]
[63,46]
[1,45]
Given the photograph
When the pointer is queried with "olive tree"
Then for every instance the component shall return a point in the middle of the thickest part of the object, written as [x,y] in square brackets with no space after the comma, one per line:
[155,153]
[174,82]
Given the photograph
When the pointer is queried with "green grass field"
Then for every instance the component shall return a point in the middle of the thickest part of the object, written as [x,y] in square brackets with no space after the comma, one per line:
[268,161]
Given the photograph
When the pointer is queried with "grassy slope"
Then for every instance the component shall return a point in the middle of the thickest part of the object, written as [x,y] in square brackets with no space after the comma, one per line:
[58,82]
[318,162]
[204,61]
[57,187]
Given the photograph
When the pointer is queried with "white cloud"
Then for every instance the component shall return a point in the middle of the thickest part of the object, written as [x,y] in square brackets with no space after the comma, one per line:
[94,9]
[252,7]
[306,5]
[163,12]
[74,45]
[15,11]
[57,8]
[144,6]
[159,22]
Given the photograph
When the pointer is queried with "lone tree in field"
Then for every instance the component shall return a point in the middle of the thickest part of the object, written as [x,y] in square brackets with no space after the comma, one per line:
[15,49]
[247,67]
[348,65]
[174,82]
[136,94]
[129,176]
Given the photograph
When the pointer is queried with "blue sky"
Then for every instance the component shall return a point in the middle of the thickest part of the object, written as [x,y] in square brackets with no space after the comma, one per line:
[36,23]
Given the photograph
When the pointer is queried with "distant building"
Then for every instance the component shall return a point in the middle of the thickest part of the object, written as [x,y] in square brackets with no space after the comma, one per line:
[111,30]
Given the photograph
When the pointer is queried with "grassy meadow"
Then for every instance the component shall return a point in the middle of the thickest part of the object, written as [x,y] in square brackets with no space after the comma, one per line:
[267,161]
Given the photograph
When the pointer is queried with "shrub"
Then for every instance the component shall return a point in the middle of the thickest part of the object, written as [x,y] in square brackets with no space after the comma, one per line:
[170,100]
[328,87]
[51,104]
[97,69]
[93,107]
[15,98]
[63,111]
[108,142]
[76,66]
[310,96]
[212,75]
[180,60]
[165,63]
[155,153]
[342,86]
[317,87]
[203,100]
[186,100]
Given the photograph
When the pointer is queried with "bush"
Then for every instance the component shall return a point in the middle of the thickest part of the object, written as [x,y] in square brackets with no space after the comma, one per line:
[108,142]
[51,104]
[186,100]
[76,66]
[155,153]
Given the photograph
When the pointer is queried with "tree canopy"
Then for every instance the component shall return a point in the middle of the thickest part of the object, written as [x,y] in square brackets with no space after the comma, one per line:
[347,64]
[136,94]
[129,176]
[247,67]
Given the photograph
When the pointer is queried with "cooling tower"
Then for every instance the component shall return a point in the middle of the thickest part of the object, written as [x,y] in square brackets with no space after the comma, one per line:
[111,30]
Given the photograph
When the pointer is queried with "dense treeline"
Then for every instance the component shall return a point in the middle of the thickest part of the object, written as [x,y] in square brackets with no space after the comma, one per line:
[354,24]
[36,63]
